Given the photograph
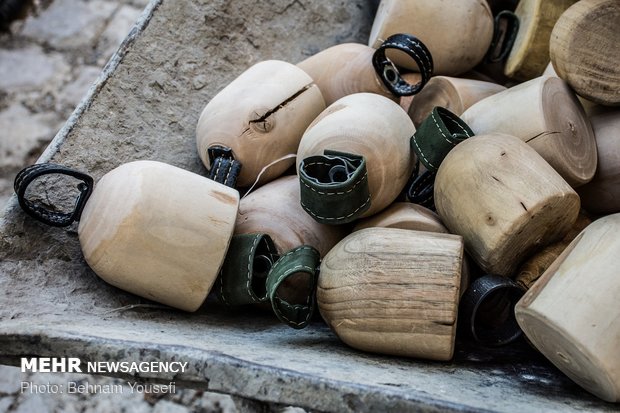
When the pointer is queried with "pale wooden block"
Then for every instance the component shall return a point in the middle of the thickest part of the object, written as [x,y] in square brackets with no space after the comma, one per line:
[393,291]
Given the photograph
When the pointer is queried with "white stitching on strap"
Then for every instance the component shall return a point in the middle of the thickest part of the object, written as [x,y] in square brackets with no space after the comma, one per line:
[337,193]
[415,142]
[250,256]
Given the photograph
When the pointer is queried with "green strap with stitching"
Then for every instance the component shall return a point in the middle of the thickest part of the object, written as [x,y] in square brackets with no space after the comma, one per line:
[297,262]
[441,131]
[334,187]
[253,273]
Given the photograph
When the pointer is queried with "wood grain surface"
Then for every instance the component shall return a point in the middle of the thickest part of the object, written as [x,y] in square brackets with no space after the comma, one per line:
[504,199]
[530,54]
[572,315]
[158,231]
[585,49]
[454,94]
[602,194]
[372,126]
[261,116]
[393,291]
[545,113]
[458,33]
[346,69]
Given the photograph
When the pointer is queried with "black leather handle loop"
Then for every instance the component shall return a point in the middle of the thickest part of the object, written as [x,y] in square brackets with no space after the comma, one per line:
[389,74]
[421,188]
[56,219]
[224,168]
[504,36]
[487,310]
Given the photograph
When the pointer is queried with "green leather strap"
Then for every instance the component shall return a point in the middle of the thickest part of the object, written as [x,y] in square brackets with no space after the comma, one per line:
[299,261]
[441,131]
[253,272]
[243,276]
[334,187]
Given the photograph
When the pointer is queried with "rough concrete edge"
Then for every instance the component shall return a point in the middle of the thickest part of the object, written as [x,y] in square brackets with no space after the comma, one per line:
[201,362]
[107,72]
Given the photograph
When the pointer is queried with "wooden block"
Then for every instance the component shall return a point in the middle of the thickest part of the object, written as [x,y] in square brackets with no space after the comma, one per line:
[158,231]
[393,291]
[458,33]
[530,54]
[372,126]
[536,265]
[275,209]
[602,194]
[585,49]
[572,314]
[346,69]
[452,93]
[404,215]
[261,116]
[546,114]
[504,199]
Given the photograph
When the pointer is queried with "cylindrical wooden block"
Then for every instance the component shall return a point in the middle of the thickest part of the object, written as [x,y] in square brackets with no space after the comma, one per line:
[261,116]
[536,265]
[602,194]
[458,33]
[572,314]
[530,54]
[411,78]
[158,231]
[504,199]
[346,69]
[372,126]
[546,114]
[275,209]
[589,107]
[393,291]
[584,49]
[452,93]
[404,215]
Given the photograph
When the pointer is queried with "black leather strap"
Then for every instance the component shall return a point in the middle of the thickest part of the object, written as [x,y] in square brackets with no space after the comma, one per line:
[421,188]
[504,36]
[487,310]
[224,168]
[56,219]
[389,74]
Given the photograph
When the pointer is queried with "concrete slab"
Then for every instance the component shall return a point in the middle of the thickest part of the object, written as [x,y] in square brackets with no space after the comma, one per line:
[145,106]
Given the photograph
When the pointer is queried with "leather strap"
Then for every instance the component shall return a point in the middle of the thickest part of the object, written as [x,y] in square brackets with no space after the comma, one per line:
[224,168]
[334,187]
[253,272]
[421,188]
[243,276]
[389,74]
[504,36]
[39,212]
[301,260]
[441,131]
[487,310]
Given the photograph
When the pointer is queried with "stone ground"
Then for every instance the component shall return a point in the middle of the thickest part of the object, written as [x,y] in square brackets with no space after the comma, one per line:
[47,64]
